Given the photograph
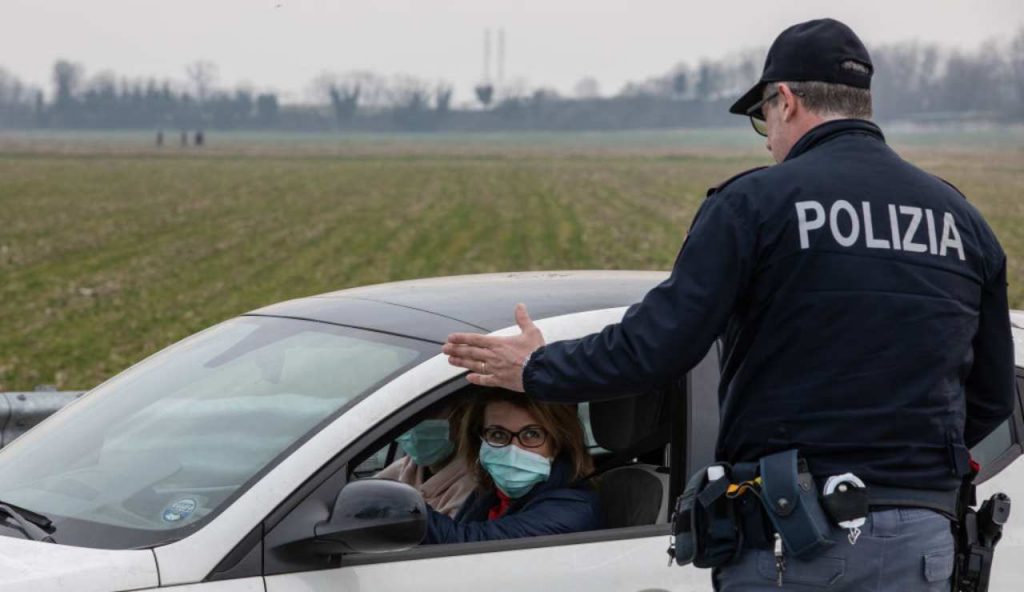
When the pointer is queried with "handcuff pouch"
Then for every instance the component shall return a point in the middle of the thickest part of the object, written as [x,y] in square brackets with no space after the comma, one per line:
[790,498]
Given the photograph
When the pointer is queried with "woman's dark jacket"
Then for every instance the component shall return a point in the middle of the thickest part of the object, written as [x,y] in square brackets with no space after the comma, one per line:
[553,507]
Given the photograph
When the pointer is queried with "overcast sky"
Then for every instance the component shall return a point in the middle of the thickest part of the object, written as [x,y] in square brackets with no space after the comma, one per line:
[283,44]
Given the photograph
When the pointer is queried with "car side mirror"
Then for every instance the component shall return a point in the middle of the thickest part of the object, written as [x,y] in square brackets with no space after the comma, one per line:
[372,516]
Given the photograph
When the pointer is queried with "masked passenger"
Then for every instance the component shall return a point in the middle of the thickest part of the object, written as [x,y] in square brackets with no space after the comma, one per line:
[431,464]
[529,459]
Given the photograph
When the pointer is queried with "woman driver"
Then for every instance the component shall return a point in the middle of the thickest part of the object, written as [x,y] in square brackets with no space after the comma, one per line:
[529,459]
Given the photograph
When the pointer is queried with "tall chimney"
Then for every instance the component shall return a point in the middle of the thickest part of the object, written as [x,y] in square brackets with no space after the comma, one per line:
[487,55]
[501,56]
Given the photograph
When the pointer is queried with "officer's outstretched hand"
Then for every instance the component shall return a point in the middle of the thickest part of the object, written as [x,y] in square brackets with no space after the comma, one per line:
[495,361]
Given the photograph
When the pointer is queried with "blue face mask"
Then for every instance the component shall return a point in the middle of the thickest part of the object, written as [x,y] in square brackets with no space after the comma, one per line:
[514,470]
[427,443]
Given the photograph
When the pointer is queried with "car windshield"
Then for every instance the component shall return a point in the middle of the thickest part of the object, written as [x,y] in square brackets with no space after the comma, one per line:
[154,453]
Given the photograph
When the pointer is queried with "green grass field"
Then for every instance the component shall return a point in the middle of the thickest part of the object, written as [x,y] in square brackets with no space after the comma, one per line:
[111,249]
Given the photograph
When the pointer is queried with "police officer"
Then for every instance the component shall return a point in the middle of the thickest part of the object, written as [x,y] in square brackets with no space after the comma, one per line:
[862,308]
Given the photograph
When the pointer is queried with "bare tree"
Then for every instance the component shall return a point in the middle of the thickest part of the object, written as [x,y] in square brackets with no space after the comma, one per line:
[267,108]
[344,96]
[443,97]
[104,83]
[655,86]
[680,83]
[203,75]
[749,66]
[1016,59]
[11,88]
[708,80]
[66,78]
[587,88]
[15,101]
[514,89]
[373,88]
[351,90]
[409,92]
[970,81]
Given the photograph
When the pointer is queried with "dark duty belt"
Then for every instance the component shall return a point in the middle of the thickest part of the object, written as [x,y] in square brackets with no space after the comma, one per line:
[945,502]
[757,529]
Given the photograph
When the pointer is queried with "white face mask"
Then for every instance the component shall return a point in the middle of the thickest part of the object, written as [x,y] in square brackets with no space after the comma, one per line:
[427,442]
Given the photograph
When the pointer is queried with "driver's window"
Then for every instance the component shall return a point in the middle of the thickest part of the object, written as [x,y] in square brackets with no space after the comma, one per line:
[410,454]
[375,462]
[391,450]
[427,453]
[387,457]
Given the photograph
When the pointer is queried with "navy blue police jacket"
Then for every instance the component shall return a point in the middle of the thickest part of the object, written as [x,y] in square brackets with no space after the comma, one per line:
[862,308]
[555,506]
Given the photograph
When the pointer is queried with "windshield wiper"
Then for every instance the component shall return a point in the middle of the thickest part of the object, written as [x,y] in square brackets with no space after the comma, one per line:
[31,523]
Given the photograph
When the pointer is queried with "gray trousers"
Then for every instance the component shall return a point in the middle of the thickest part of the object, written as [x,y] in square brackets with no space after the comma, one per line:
[899,550]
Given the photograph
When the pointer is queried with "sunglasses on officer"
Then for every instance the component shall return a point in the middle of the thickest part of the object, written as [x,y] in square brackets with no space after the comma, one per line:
[756,112]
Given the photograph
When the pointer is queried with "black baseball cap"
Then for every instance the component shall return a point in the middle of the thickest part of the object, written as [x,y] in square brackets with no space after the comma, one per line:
[812,51]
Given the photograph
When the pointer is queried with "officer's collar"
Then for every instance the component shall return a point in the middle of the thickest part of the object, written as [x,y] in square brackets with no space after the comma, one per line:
[831,129]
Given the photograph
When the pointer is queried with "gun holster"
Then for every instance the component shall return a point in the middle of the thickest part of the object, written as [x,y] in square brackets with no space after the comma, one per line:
[977,534]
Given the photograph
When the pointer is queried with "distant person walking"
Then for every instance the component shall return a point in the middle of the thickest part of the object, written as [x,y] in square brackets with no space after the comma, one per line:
[199,138]
[160,138]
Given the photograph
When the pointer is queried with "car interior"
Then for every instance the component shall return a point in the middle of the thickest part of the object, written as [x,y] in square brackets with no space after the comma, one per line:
[629,440]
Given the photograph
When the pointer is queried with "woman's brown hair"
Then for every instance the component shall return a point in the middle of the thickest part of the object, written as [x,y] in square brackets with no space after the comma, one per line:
[560,421]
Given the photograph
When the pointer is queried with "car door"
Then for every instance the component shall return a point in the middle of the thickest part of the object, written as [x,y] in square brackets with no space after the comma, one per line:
[621,559]
[635,561]
[1002,471]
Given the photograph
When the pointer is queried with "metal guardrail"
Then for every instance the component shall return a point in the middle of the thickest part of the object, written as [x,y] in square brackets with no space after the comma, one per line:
[20,411]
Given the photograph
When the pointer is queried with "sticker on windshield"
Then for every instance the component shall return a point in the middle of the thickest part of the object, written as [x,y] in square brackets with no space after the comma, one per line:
[180,510]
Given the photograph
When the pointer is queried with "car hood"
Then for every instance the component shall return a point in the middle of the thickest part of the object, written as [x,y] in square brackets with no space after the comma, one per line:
[46,567]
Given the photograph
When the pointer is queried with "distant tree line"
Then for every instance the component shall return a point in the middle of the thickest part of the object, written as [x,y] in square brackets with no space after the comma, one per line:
[913,81]
[106,101]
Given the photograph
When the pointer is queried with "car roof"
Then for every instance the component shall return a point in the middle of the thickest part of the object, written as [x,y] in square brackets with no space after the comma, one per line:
[432,308]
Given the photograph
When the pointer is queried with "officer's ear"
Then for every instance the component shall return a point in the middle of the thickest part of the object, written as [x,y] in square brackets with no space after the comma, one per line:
[787,102]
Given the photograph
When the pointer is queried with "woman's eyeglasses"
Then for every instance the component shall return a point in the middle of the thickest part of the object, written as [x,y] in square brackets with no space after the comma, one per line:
[532,436]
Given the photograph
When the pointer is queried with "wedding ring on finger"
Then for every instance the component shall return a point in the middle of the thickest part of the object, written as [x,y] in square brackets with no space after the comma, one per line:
[483,367]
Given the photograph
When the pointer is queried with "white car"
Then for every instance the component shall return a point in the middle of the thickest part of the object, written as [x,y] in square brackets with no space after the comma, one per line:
[230,461]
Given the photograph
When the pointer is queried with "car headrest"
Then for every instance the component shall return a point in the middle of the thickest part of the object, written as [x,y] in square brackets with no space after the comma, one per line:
[622,425]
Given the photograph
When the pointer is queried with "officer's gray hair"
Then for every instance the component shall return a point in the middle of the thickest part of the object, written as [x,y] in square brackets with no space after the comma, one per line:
[832,100]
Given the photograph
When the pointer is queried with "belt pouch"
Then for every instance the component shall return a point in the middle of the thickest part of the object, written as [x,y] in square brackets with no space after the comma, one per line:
[718,533]
[753,519]
[684,545]
[791,502]
[705,528]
